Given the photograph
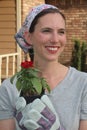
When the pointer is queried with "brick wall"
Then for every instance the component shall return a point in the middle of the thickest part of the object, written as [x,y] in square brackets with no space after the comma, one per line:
[76,25]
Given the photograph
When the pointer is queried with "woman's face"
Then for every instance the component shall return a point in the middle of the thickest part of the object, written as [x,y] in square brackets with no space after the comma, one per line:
[49,37]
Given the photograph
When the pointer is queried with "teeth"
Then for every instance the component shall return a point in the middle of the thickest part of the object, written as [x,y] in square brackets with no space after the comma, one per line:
[52,49]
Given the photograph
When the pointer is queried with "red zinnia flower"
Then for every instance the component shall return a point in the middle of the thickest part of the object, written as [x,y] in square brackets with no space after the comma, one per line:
[27,64]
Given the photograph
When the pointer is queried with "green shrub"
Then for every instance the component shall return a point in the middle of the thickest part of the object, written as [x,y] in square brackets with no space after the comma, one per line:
[79,55]
[83,55]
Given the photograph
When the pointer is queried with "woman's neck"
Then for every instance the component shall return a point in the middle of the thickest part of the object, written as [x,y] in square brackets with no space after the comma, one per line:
[53,73]
[46,67]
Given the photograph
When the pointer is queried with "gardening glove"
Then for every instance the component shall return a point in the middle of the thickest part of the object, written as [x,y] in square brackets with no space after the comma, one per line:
[39,115]
[21,112]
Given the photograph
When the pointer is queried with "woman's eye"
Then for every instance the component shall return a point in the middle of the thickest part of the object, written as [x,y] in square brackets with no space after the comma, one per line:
[46,31]
[61,32]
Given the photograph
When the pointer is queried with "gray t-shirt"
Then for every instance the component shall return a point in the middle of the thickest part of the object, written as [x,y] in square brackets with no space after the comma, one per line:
[69,99]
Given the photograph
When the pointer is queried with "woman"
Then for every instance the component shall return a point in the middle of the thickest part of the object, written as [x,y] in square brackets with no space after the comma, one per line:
[44,30]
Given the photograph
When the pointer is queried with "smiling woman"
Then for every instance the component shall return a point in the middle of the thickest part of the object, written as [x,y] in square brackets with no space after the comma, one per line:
[63,108]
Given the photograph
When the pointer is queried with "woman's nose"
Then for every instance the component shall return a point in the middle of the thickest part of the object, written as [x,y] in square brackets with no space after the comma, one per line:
[54,38]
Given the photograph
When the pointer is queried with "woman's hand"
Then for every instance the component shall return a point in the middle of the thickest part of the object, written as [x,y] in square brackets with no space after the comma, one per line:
[8,124]
[83,125]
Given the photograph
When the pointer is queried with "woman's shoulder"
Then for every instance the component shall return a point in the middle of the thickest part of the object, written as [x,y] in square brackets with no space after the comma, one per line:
[78,72]
[77,76]
[7,83]
[8,87]
[8,97]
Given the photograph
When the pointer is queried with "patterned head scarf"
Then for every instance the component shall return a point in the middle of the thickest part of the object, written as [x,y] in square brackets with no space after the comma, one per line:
[21,41]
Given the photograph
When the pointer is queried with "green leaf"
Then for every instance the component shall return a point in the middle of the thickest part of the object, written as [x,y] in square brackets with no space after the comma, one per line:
[19,85]
[33,72]
[12,79]
[37,84]
[45,85]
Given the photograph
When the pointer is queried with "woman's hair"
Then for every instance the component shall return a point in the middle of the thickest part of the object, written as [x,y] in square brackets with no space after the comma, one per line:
[44,12]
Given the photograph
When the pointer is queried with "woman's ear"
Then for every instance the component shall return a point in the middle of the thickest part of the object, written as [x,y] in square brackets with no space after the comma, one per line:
[27,37]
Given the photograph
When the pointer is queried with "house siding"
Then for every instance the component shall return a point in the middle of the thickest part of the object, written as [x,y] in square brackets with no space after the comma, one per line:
[7,26]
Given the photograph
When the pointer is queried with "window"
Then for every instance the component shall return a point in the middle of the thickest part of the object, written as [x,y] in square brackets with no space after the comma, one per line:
[67,3]
[72,3]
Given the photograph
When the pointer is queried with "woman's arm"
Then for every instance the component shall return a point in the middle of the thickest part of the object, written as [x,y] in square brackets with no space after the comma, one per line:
[83,125]
[8,124]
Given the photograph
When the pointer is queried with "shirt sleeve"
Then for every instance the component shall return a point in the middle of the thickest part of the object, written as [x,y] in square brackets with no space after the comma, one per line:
[8,96]
[83,114]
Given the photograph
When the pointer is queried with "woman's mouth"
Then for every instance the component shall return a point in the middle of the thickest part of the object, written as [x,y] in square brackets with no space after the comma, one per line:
[52,49]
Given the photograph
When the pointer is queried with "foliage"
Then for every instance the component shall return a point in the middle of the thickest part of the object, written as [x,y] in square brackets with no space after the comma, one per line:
[28,80]
[79,55]
[76,55]
[83,55]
